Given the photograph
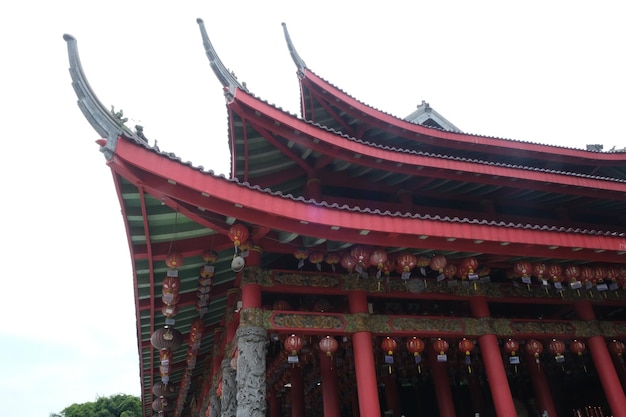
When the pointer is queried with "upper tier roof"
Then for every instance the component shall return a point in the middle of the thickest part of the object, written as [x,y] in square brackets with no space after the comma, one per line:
[326,104]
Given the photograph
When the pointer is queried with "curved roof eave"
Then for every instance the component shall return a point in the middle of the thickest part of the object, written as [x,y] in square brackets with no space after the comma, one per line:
[99,117]
[305,73]
[346,145]
[308,217]
[226,77]
[548,151]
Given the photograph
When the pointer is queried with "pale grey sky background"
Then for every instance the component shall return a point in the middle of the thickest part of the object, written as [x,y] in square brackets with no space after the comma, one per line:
[547,72]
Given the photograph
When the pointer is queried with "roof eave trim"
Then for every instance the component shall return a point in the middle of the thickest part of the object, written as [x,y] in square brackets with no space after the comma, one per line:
[228,80]
[98,116]
[292,50]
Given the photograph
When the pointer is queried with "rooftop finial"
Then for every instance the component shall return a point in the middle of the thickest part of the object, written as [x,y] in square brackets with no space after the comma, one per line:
[98,116]
[226,77]
[292,50]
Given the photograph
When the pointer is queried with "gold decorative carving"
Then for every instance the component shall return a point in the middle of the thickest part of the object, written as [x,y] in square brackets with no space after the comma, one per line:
[251,317]
[357,323]
[308,321]
[542,327]
[427,325]
[299,280]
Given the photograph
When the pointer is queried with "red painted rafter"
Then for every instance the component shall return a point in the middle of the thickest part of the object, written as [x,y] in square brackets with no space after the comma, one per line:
[146,226]
[228,198]
[456,140]
[269,136]
[361,154]
[345,128]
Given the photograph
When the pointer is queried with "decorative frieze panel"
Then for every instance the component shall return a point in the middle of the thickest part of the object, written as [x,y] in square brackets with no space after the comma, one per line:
[426,326]
[308,321]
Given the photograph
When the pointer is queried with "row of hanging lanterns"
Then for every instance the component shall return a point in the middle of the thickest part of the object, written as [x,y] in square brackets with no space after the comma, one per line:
[293,344]
[205,281]
[602,277]
[195,339]
[361,257]
[167,339]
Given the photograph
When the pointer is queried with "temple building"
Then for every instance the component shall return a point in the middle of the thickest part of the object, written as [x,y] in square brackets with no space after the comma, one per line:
[355,263]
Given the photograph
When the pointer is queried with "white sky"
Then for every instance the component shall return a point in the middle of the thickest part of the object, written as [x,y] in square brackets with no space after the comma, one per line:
[548,72]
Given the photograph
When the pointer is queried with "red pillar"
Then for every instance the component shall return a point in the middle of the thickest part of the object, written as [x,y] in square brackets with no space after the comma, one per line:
[492,359]
[476,393]
[540,386]
[297,392]
[274,403]
[439,372]
[330,388]
[603,363]
[367,388]
[391,392]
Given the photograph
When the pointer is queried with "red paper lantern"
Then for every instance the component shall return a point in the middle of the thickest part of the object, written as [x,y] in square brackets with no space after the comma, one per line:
[348,262]
[174,260]
[612,272]
[301,254]
[170,310]
[415,346]
[599,273]
[378,257]
[587,274]
[466,346]
[438,263]
[293,344]
[577,347]
[449,271]
[238,233]
[389,345]
[470,264]
[555,272]
[617,348]
[522,268]
[441,346]
[572,272]
[539,270]
[328,345]
[511,346]
[406,262]
[210,256]
[423,261]
[333,258]
[171,285]
[361,254]
[556,347]
[316,257]
[534,347]
[166,338]
[282,305]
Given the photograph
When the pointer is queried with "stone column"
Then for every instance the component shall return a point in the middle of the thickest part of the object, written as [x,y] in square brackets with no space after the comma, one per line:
[215,404]
[229,390]
[251,371]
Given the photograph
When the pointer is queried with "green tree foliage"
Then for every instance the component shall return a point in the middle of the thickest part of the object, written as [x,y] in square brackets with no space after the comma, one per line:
[119,405]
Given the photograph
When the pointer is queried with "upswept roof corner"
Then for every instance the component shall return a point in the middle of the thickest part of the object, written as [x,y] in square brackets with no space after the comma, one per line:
[226,77]
[292,50]
[98,116]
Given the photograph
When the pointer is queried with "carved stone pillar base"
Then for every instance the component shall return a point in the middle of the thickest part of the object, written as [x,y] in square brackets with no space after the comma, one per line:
[251,371]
